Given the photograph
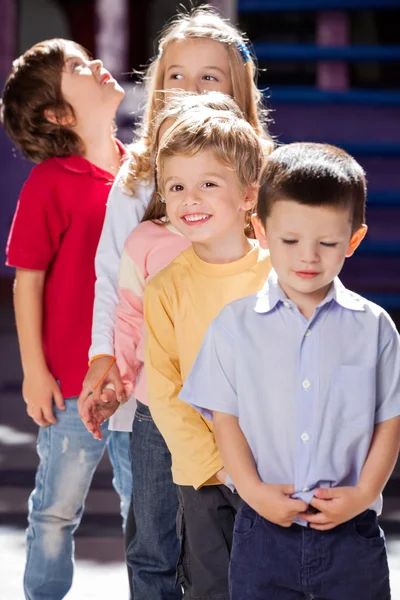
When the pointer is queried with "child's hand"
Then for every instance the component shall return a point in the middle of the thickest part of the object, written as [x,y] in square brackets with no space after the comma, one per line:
[95,412]
[273,502]
[336,505]
[39,391]
[97,377]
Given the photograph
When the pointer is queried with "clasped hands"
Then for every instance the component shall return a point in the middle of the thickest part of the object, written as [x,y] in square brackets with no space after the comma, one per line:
[336,505]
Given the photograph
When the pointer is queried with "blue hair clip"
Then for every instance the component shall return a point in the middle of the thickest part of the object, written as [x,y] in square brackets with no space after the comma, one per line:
[244,52]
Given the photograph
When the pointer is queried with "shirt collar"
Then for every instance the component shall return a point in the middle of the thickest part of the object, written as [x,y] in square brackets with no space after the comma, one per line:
[79,164]
[272,293]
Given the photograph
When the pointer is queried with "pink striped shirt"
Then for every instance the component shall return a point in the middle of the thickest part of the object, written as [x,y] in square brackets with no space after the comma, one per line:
[149,248]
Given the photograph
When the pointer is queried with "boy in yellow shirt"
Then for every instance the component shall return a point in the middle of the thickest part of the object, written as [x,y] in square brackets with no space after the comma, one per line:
[208,166]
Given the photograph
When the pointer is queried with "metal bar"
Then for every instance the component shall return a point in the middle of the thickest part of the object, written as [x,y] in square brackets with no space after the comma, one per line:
[311,52]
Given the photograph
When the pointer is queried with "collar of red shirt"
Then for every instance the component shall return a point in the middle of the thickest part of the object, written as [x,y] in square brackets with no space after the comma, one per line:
[79,164]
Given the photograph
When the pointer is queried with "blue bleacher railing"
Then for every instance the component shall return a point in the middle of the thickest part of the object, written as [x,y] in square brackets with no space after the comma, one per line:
[312,52]
[388,300]
[306,95]
[379,248]
[251,6]
[384,198]
[280,94]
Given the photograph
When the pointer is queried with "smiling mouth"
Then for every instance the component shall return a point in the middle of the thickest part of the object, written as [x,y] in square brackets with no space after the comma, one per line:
[196,219]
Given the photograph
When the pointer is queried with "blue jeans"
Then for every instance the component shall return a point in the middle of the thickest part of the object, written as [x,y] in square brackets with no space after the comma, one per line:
[68,456]
[154,551]
[299,563]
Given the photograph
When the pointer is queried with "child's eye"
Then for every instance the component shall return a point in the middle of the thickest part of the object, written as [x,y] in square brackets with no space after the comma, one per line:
[329,244]
[176,188]
[176,76]
[209,184]
[76,64]
[289,241]
[210,78]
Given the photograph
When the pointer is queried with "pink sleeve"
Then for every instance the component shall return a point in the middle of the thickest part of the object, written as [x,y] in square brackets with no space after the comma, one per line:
[129,317]
[39,222]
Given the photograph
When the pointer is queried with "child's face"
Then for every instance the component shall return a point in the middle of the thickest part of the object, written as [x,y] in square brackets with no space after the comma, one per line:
[203,198]
[197,65]
[308,246]
[89,88]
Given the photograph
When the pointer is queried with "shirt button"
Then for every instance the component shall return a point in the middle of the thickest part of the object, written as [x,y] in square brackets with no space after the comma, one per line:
[305,437]
[308,332]
[286,304]
[306,384]
[305,489]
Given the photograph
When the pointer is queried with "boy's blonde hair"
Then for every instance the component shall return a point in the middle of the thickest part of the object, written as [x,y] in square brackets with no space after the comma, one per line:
[175,107]
[230,138]
[202,22]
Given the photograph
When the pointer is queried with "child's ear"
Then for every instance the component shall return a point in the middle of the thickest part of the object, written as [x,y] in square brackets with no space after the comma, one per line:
[259,231]
[356,240]
[57,118]
[250,197]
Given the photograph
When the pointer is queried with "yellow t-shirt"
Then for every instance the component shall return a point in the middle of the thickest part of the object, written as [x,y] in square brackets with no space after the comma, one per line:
[179,304]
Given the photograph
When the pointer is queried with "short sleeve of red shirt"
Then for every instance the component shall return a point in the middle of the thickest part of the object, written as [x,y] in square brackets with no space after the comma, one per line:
[39,221]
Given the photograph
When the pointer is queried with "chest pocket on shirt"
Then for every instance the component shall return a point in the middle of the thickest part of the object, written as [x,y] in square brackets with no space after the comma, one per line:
[354,395]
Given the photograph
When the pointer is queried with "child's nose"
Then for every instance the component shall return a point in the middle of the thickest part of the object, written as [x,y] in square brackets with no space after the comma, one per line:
[191,198]
[96,65]
[191,85]
[309,254]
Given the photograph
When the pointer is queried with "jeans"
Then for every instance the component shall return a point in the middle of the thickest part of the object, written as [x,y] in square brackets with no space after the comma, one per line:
[299,563]
[68,456]
[154,551]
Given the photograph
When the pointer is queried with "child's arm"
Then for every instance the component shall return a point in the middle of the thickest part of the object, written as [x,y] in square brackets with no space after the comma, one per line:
[39,386]
[123,213]
[187,435]
[273,502]
[128,333]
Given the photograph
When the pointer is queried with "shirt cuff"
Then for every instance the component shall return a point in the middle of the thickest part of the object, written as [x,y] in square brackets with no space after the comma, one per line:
[104,348]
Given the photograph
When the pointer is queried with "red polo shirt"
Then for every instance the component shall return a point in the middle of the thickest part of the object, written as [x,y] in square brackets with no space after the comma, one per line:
[56,228]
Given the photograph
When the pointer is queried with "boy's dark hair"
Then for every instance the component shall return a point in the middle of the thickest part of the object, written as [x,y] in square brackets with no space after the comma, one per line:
[315,175]
[32,88]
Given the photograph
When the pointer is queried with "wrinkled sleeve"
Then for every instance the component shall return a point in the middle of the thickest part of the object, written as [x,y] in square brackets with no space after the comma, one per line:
[129,318]
[388,373]
[190,440]
[39,222]
[122,215]
[211,383]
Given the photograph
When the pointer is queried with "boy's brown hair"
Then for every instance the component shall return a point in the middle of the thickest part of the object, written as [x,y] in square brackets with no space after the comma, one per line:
[33,88]
[314,175]
[231,139]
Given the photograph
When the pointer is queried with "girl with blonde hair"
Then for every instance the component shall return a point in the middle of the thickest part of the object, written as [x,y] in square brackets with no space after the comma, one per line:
[198,52]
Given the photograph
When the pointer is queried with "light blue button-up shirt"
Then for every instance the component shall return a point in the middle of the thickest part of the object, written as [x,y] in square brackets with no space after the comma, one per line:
[307,393]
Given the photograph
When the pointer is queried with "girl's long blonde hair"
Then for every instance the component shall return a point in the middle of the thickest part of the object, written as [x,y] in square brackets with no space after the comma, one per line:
[202,22]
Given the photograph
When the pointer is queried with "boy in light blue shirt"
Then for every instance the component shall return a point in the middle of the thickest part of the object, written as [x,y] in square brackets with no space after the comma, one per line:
[302,381]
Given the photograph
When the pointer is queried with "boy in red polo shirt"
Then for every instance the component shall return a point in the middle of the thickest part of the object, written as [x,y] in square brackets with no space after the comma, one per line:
[59,107]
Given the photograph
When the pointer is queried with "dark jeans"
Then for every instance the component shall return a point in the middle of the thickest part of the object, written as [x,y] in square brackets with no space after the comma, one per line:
[300,563]
[154,550]
[205,526]
[130,529]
